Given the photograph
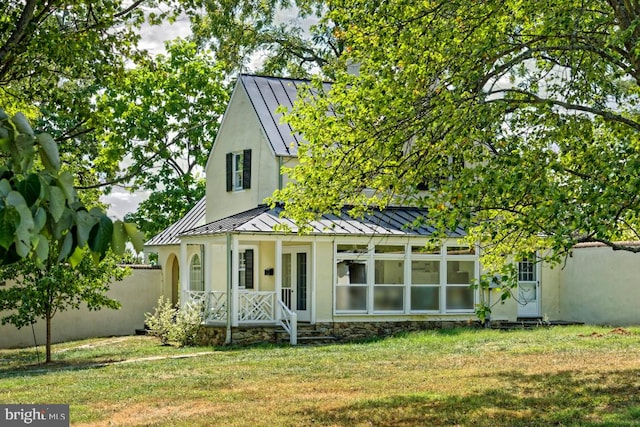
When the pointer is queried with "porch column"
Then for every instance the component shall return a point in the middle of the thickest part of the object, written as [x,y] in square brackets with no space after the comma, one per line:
[314,279]
[184,273]
[235,286]
[278,277]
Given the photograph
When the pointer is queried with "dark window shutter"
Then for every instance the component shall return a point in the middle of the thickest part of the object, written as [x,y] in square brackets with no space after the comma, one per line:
[246,169]
[229,171]
[248,259]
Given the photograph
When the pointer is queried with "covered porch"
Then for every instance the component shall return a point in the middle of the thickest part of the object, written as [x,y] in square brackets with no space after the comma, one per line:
[241,276]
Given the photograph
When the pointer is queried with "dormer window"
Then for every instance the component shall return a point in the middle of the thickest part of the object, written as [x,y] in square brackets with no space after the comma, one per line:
[239,170]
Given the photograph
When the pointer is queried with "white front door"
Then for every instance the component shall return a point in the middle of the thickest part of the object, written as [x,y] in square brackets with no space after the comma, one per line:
[528,289]
[295,281]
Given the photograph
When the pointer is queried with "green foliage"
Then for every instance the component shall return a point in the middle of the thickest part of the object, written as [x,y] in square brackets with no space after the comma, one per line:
[539,102]
[39,208]
[284,33]
[175,325]
[164,207]
[39,291]
[163,114]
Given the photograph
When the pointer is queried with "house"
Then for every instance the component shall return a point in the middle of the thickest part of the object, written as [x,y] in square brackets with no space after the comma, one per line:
[352,277]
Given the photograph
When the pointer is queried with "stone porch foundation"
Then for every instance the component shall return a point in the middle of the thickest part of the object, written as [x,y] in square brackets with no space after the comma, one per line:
[341,332]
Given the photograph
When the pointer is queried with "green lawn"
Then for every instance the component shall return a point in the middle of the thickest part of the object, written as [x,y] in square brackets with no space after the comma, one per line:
[585,376]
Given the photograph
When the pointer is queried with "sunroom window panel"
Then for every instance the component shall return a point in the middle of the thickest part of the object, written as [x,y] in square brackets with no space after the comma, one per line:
[459,295]
[351,289]
[352,249]
[389,272]
[425,272]
[459,298]
[460,272]
[425,250]
[351,298]
[460,250]
[389,249]
[388,298]
[425,298]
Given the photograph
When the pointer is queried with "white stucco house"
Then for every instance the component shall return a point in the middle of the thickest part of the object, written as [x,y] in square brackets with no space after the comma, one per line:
[349,276]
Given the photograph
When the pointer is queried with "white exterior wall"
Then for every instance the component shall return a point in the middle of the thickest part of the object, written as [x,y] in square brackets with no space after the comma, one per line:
[240,130]
[601,286]
[138,293]
[324,281]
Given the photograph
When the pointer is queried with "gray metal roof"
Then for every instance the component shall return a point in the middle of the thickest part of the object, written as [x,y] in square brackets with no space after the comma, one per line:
[393,221]
[169,236]
[266,95]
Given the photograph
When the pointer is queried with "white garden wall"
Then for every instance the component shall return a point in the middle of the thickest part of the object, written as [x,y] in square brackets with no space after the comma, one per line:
[138,293]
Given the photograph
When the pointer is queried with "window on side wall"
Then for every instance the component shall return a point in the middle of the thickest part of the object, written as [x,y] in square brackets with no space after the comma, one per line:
[246,269]
[238,170]
[196,282]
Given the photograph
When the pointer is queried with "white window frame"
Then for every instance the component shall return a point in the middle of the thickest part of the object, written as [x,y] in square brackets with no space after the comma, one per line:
[445,280]
[196,274]
[237,170]
[241,250]
[407,258]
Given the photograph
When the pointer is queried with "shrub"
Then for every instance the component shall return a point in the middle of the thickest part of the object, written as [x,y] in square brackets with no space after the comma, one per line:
[175,325]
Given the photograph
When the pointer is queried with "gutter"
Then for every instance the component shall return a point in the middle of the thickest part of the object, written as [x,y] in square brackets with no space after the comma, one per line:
[227,340]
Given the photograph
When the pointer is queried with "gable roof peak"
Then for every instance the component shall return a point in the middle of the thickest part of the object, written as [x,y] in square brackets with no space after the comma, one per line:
[266,95]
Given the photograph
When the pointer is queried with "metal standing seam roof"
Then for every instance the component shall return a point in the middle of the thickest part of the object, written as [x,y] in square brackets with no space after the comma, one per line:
[393,221]
[169,236]
[267,94]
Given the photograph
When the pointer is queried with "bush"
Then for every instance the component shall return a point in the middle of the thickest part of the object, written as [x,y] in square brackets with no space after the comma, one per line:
[175,325]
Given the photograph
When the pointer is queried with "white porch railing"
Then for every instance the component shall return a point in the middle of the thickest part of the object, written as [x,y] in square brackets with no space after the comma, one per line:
[194,297]
[253,307]
[256,306]
[216,307]
[289,321]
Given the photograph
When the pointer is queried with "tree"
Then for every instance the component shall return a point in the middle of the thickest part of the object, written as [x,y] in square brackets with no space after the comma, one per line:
[164,118]
[286,34]
[40,211]
[41,291]
[537,100]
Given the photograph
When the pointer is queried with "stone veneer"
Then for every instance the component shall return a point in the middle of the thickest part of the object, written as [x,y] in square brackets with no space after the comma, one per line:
[338,331]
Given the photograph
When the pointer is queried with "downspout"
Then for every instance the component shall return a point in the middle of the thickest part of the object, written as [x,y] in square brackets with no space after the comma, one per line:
[229,286]
[280,163]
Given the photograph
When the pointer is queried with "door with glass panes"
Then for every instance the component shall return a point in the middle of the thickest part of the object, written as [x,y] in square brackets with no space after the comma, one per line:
[295,281]
[528,288]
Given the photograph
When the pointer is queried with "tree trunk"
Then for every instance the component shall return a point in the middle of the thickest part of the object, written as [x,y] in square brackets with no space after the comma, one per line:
[48,343]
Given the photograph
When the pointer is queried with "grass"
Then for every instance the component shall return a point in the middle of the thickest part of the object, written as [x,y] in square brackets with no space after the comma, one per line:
[586,376]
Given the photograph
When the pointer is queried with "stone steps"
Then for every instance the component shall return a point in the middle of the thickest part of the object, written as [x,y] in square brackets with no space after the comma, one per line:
[307,335]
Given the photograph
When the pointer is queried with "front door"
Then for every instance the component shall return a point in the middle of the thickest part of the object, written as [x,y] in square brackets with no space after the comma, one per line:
[528,288]
[295,282]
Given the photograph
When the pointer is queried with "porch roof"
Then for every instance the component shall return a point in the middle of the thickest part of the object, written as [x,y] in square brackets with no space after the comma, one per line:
[392,221]
[169,236]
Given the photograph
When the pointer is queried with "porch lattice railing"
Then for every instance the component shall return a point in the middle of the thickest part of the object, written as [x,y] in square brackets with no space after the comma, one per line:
[216,307]
[256,306]
[253,307]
